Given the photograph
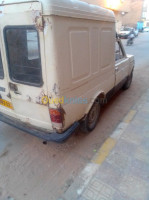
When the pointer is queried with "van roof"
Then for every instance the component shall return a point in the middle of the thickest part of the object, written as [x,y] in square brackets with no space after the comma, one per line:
[70,8]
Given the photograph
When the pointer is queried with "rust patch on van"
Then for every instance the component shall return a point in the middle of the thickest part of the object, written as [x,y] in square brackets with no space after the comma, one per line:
[38,20]
[39,99]
[9,95]
[29,99]
[63,113]
[56,89]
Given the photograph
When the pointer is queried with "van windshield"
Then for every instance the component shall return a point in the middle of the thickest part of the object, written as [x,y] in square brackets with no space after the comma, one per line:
[1,68]
[23,54]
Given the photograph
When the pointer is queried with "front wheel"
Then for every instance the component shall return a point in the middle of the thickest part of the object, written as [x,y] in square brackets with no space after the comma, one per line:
[91,120]
[128,82]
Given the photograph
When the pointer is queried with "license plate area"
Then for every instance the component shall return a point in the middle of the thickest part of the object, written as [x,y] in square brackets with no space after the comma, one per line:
[6,104]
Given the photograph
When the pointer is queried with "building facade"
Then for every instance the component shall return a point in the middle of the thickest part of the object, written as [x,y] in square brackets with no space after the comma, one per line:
[135,13]
[145,14]
[127,12]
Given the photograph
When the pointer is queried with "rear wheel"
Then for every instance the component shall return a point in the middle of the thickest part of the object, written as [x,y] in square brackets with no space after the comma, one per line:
[91,119]
[128,82]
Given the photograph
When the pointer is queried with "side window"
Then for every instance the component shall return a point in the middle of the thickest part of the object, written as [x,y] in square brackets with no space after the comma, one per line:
[23,53]
[118,51]
[1,68]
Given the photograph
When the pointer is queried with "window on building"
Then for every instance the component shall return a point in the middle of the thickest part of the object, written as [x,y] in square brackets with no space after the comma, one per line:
[118,51]
[23,54]
[1,68]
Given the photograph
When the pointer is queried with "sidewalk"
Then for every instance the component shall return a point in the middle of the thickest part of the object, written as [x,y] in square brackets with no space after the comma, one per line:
[120,169]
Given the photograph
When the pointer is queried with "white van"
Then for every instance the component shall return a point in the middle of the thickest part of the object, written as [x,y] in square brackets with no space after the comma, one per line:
[59,60]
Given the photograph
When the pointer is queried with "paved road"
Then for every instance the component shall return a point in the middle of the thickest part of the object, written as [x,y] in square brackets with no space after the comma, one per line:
[30,170]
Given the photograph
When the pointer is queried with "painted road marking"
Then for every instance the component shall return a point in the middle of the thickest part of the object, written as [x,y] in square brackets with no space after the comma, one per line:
[110,143]
[104,151]
[87,175]
[119,130]
[130,116]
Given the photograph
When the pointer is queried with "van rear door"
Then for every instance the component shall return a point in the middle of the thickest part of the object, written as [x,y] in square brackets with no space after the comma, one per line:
[23,46]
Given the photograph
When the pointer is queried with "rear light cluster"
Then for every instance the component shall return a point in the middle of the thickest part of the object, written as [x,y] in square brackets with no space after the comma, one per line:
[56,115]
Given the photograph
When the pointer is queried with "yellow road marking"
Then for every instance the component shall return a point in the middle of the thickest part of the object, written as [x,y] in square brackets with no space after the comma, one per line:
[104,151]
[110,143]
[130,116]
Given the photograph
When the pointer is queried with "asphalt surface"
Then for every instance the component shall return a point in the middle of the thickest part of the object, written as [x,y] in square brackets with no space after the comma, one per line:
[30,170]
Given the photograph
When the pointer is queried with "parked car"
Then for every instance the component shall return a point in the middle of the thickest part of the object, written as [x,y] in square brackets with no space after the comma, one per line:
[125,32]
[58,64]
[146,29]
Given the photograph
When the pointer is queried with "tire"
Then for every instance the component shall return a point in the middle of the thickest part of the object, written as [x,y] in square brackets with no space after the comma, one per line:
[92,118]
[128,82]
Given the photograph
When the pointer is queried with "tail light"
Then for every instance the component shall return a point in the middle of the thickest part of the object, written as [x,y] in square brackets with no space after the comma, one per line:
[56,117]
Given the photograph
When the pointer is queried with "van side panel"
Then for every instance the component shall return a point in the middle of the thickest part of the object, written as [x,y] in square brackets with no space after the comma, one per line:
[79,54]
[84,62]
[94,50]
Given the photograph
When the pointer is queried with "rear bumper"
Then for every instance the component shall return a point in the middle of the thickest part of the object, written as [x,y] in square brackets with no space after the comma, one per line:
[56,137]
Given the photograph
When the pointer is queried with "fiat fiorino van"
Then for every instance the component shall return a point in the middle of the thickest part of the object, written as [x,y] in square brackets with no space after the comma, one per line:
[58,60]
